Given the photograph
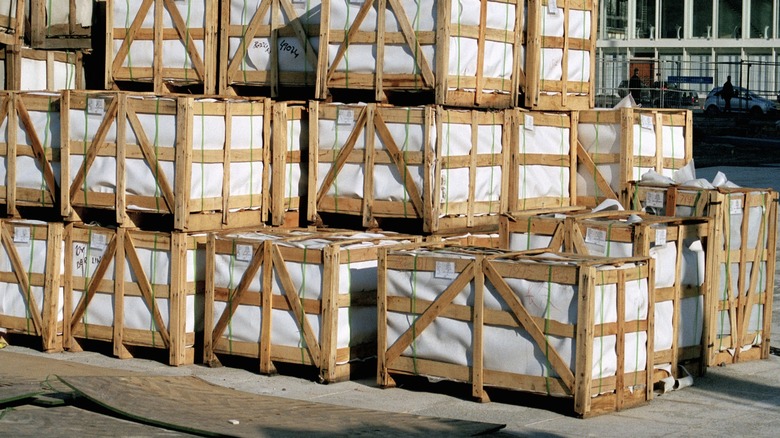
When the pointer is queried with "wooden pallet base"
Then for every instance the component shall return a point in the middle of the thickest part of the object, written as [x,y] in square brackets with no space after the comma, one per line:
[132,344]
[152,221]
[22,338]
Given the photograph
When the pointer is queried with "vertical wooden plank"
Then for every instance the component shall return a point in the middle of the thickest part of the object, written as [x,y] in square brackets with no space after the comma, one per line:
[533,44]
[121,234]
[64,199]
[183,165]
[381,12]
[209,357]
[367,210]
[659,141]
[313,158]
[276,10]
[224,46]
[434,167]
[514,161]
[481,47]
[266,297]
[210,48]
[443,30]
[13,128]
[506,161]
[321,87]
[108,47]
[330,311]
[473,165]
[583,361]
[267,151]
[478,332]
[157,63]
[383,376]
[178,299]
[431,184]
[574,119]
[650,365]
[50,70]
[51,289]
[771,261]
[565,58]
[620,344]
[626,147]
[278,164]
[67,287]
[121,159]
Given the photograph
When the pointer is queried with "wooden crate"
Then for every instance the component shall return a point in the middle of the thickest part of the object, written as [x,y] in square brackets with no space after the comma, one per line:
[543,160]
[31,300]
[400,45]
[11,22]
[248,32]
[290,144]
[382,162]
[481,240]
[741,308]
[560,66]
[30,151]
[500,321]
[257,294]
[154,303]
[164,43]
[197,161]
[616,147]
[60,24]
[682,248]
[28,69]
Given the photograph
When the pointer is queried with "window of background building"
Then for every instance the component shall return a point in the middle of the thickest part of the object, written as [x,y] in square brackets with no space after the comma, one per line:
[672,19]
[616,12]
[702,18]
[760,18]
[730,18]
[645,18]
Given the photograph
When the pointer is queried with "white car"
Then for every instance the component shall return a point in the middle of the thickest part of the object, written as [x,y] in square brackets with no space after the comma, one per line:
[743,101]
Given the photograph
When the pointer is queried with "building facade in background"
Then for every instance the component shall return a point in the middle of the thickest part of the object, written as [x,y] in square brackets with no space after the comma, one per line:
[689,44]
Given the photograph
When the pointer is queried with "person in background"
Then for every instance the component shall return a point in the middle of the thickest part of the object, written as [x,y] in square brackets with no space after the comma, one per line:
[635,85]
[727,92]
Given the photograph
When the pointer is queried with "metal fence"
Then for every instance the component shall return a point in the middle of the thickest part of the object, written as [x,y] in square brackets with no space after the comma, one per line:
[671,82]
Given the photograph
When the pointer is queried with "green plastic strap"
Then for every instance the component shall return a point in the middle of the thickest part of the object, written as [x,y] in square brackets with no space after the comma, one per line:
[202,153]
[405,149]
[157,191]
[601,344]
[727,283]
[548,365]
[45,146]
[152,325]
[302,296]
[71,69]
[415,316]
[528,233]
[127,26]
[231,294]
[187,41]
[29,282]
[492,162]
[609,239]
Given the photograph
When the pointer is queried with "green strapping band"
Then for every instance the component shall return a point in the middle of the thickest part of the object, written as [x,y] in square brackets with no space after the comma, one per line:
[152,325]
[415,316]
[45,146]
[71,69]
[528,233]
[29,281]
[608,243]
[548,365]
[157,190]
[127,26]
[405,149]
[302,296]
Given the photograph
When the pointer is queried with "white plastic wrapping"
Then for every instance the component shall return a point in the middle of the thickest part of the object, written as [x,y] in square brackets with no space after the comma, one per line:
[543,181]
[552,25]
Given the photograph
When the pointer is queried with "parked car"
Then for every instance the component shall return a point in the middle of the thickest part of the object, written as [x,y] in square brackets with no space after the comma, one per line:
[743,101]
[677,98]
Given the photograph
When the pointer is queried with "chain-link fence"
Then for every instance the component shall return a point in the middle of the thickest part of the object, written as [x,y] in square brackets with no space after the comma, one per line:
[673,83]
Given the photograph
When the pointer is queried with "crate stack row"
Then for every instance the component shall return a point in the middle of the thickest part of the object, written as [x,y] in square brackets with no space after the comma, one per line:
[169,220]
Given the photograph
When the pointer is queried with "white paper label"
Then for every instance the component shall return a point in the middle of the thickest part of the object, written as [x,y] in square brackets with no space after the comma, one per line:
[596,237]
[96,106]
[735,206]
[552,7]
[346,117]
[660,236]
[98,241]
[445,270]
[528,122]
[244,253]
[646,121]
[655,199]
[22,235]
